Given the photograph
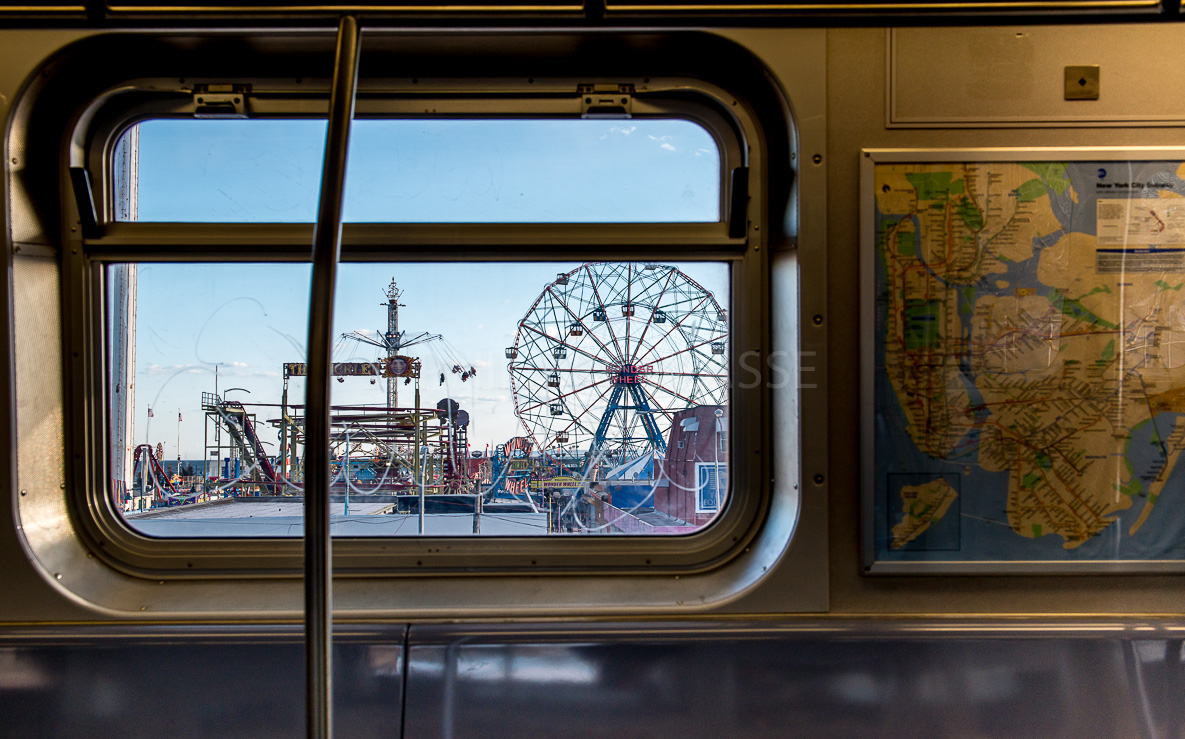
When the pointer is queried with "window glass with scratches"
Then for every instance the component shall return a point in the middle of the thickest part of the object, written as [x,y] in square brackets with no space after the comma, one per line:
[559,398]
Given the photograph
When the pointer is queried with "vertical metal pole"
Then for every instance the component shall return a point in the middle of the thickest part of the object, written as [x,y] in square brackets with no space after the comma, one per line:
[284,434]
[420,453]
[476,506]
[318,590]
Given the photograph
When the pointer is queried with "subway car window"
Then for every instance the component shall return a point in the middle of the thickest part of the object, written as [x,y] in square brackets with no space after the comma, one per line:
[501,399]
[547,393]
[564,396]
[429,171]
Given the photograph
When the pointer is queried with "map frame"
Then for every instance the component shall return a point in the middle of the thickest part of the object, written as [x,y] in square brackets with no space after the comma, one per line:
[870,158]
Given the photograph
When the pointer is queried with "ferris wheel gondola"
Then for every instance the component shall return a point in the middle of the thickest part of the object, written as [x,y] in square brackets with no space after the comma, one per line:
[610,351]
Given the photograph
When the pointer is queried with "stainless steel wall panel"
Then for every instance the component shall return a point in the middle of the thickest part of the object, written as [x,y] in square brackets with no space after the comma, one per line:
[153,681]
[1014,76]
[862,679]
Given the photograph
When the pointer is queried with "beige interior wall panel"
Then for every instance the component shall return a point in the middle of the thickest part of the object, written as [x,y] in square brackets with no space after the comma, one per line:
[1015,76]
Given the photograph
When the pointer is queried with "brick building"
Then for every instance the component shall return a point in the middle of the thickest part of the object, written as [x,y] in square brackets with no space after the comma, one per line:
[696,464]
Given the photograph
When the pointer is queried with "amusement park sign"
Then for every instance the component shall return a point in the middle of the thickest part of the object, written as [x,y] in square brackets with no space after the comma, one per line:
[563,481]
[394,367]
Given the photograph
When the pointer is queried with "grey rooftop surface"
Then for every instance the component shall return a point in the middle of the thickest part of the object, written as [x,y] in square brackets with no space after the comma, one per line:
[236,517]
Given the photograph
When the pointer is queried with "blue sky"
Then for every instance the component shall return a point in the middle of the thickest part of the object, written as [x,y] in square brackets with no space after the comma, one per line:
[248,319]
[438,171]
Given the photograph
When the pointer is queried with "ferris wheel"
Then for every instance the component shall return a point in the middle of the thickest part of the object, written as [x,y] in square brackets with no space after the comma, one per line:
[610,351]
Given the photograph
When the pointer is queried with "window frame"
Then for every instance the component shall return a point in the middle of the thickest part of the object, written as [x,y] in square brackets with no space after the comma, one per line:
[116,545]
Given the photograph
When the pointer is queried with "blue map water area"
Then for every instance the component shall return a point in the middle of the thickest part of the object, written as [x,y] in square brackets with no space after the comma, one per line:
[1161,536]
[899,460]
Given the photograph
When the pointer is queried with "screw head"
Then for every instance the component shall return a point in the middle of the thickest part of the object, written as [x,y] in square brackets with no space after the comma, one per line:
[818,479]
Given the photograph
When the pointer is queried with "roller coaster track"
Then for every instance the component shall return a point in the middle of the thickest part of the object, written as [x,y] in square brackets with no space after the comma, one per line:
[242,431]
[159,477]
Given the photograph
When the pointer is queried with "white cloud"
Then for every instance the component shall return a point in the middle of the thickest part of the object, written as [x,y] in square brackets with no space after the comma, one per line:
[664,142]
[177,369]
[229,369]
[619,130]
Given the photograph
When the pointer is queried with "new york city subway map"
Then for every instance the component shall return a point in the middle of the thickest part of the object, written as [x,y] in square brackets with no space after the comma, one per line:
[1029,371]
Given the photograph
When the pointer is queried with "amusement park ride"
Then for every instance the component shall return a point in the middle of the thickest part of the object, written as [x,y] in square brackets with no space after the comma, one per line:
[610,351]
[601,363]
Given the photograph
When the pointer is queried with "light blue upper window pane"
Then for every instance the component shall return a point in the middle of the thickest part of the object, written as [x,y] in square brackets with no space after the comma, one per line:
[431,171]
[212,171]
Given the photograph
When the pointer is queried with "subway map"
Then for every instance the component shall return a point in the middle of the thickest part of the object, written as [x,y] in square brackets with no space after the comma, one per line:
[1029,368]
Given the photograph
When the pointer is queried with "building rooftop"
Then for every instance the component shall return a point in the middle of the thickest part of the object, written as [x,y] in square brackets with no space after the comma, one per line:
[263,518]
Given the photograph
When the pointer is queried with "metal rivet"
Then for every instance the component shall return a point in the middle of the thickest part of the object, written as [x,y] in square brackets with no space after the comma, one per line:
[14,160]
[62,486]
[817,159]
[143,608]
[818,479]
[24,492]
[57,576]
[818,319]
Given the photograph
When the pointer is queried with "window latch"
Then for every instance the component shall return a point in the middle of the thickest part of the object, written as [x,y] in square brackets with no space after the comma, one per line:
[606,101]
[220,101]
